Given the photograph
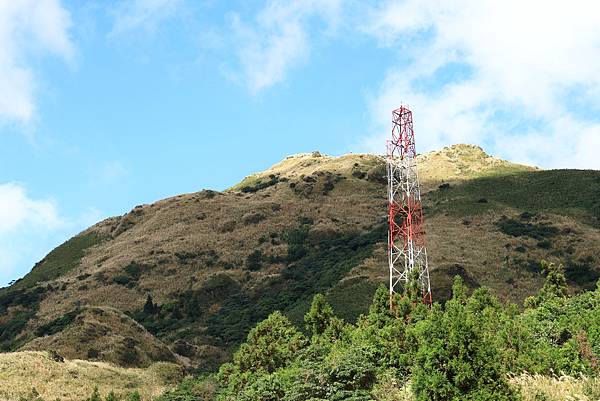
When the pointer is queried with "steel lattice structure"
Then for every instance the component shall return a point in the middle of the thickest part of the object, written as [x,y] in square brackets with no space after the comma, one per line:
[407,250]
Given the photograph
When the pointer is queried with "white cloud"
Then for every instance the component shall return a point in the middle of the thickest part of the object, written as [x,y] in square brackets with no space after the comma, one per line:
[25,227]
[525,59]
[17,210]
[30,228]
[278,39]
[28,28]
[110,171]
[145,15]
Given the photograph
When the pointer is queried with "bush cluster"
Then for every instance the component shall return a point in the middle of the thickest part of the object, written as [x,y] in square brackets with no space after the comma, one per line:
[463,350]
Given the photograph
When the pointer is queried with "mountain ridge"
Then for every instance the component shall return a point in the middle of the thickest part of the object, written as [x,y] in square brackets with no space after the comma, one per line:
[215,263]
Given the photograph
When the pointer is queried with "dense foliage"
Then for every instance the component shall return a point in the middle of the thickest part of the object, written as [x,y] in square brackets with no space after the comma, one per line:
[464,350]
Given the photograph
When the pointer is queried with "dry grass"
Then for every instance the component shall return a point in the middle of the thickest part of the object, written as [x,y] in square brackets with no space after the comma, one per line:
[105,334]
[22,372]
[531,387]
[462,162]
[388,388]
[563,388]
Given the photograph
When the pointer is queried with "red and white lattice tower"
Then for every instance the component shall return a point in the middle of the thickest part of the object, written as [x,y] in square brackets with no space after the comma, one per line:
[406,236]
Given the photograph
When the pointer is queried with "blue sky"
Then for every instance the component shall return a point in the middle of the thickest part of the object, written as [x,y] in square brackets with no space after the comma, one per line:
[108,104]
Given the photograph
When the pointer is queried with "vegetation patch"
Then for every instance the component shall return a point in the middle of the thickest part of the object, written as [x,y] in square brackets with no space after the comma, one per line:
[260,184]
[568,192]
[540,232]
[254,260]
[310,269]
[443,280]
[351,297]
[61,260]
[131,274]
[530,265]
[18,306]
[58,324]
[472,348]
[582,273]
[191,306]
[377,174]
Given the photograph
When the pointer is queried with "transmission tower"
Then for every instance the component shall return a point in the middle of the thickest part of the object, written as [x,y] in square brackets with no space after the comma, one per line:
[407,253]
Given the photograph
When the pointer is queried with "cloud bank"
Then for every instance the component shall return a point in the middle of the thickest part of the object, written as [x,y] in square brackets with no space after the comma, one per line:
[520,77]
[28,29]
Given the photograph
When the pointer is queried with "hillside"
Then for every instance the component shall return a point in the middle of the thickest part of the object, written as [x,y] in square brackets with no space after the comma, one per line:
[55,379]
[215,263]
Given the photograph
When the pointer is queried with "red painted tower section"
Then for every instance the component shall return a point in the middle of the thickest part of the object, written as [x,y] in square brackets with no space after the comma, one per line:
[407,251]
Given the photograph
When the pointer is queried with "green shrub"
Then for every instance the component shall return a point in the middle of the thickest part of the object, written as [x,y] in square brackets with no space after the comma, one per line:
[272,344]
[254,260]
[134,270]
[319,316]
[260,184]
[121,279]
[198,389]
[455,360]
[462,351]
[111,397]
[554,286]
[135,396]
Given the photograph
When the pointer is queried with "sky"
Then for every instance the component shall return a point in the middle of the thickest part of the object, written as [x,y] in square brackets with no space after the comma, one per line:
[105,105]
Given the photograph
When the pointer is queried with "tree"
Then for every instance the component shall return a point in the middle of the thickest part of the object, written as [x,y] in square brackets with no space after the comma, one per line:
[455,359]
[272,344]
[318,318]
[379,311]
[555,285]
[254,260]
[149,306]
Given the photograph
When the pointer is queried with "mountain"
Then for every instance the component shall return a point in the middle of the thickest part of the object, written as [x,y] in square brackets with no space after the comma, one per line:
[184,279]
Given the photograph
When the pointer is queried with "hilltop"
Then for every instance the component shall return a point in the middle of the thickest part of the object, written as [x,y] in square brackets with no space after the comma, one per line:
[215,263]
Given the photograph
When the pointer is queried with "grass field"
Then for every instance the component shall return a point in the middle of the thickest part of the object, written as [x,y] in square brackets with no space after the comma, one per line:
[23,374]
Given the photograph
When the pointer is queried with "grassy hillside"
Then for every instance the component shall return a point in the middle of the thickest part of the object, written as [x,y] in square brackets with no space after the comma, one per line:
[24,374]
[215,263]
[101,334]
